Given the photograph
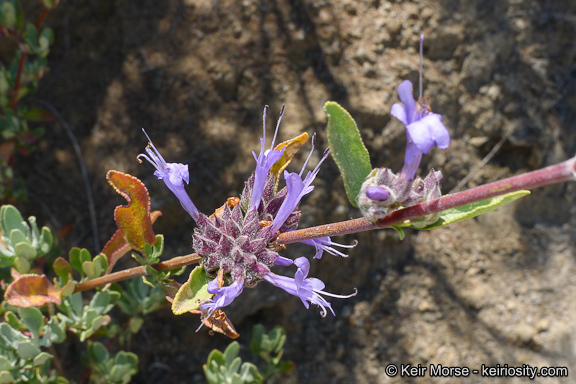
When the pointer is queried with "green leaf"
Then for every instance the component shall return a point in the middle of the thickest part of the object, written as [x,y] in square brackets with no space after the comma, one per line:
[25,250]
[98,353]
[41,359]
[347,149]
[192,293]
[6,378]
[33,319]
[10,218]
[27,350]
[8,15]
[469,211]
[231,352]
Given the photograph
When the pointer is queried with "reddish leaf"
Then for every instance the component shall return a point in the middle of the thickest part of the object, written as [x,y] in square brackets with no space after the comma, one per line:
[7,150]
[117,247]
[32,291]
[134,219]
[218,322]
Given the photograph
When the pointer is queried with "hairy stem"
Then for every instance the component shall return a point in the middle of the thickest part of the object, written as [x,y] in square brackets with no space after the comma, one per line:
[557,173]
[175,263]
[562,172]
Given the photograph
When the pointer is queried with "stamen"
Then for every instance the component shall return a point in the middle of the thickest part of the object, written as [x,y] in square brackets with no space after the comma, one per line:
[310,154]
[421,54]
[263,139]
[277,126]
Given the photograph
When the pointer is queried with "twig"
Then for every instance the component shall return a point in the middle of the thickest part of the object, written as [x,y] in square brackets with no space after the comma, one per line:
[175,263]
[557,173]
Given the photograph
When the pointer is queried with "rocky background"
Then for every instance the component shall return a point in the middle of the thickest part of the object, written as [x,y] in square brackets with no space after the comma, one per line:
[196,74]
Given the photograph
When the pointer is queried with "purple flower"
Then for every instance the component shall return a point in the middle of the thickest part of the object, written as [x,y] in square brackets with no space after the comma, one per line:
[309,290]
[172,174]
[265,160]
[326,244]
[224,296]
[297,189]
[424,129]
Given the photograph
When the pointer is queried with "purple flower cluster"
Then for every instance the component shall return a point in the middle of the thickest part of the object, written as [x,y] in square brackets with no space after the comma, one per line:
[239,240]
[384,191]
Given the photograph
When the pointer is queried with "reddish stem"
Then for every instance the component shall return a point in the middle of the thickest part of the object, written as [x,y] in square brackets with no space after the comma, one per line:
[21,63]
[24,55]
[562,172]
[41,18]
[565,171]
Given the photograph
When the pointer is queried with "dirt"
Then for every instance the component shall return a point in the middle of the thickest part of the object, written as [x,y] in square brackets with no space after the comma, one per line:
[196,75]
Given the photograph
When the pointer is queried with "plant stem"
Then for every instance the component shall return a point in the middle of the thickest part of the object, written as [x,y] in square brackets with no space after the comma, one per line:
[562,172]
[175,263]
[565,171]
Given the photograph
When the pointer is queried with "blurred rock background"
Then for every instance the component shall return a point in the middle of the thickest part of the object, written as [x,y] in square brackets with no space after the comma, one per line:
[196,75]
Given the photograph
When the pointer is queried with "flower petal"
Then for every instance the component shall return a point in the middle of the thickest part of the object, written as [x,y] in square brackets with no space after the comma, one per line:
[420,135]
[405,93]
[399,112]
[437,130]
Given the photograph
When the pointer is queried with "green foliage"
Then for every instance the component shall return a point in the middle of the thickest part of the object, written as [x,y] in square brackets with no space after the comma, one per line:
[193,292]
[347,149]
[17,80]
[227,367]
[108,370]
[23,242]
[22,338]
[139,298]
[82,262]
[469,211]
[85,320]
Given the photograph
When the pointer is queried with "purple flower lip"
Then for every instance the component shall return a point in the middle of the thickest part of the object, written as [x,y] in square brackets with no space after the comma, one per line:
[424,129]
[377,193]
[174,175]
[308,289]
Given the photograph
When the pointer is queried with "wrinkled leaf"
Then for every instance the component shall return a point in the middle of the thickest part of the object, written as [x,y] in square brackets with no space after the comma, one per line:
[117,247]
[347,149]
[291,148]
[32,291]
[469,211]
[133,219]
[192,293]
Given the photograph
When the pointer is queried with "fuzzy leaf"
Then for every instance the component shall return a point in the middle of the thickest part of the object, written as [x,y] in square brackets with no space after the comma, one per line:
[192,293]
[469,211]
[117,247]
[291,148]
[62,268]
[27,350]
[10,218]
[32,291]
[133,219]
[347,149]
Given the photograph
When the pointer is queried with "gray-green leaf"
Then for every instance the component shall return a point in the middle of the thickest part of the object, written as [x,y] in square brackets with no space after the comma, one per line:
[347,149]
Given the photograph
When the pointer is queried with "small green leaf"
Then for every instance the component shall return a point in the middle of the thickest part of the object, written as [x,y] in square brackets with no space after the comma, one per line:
[231,352]
[27,350]
[41,359]
[98,353]
[8,15]
[469,211]
[10,218]
[6,378]
[347,149]
[192,293]
[33,319]
[62,268]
